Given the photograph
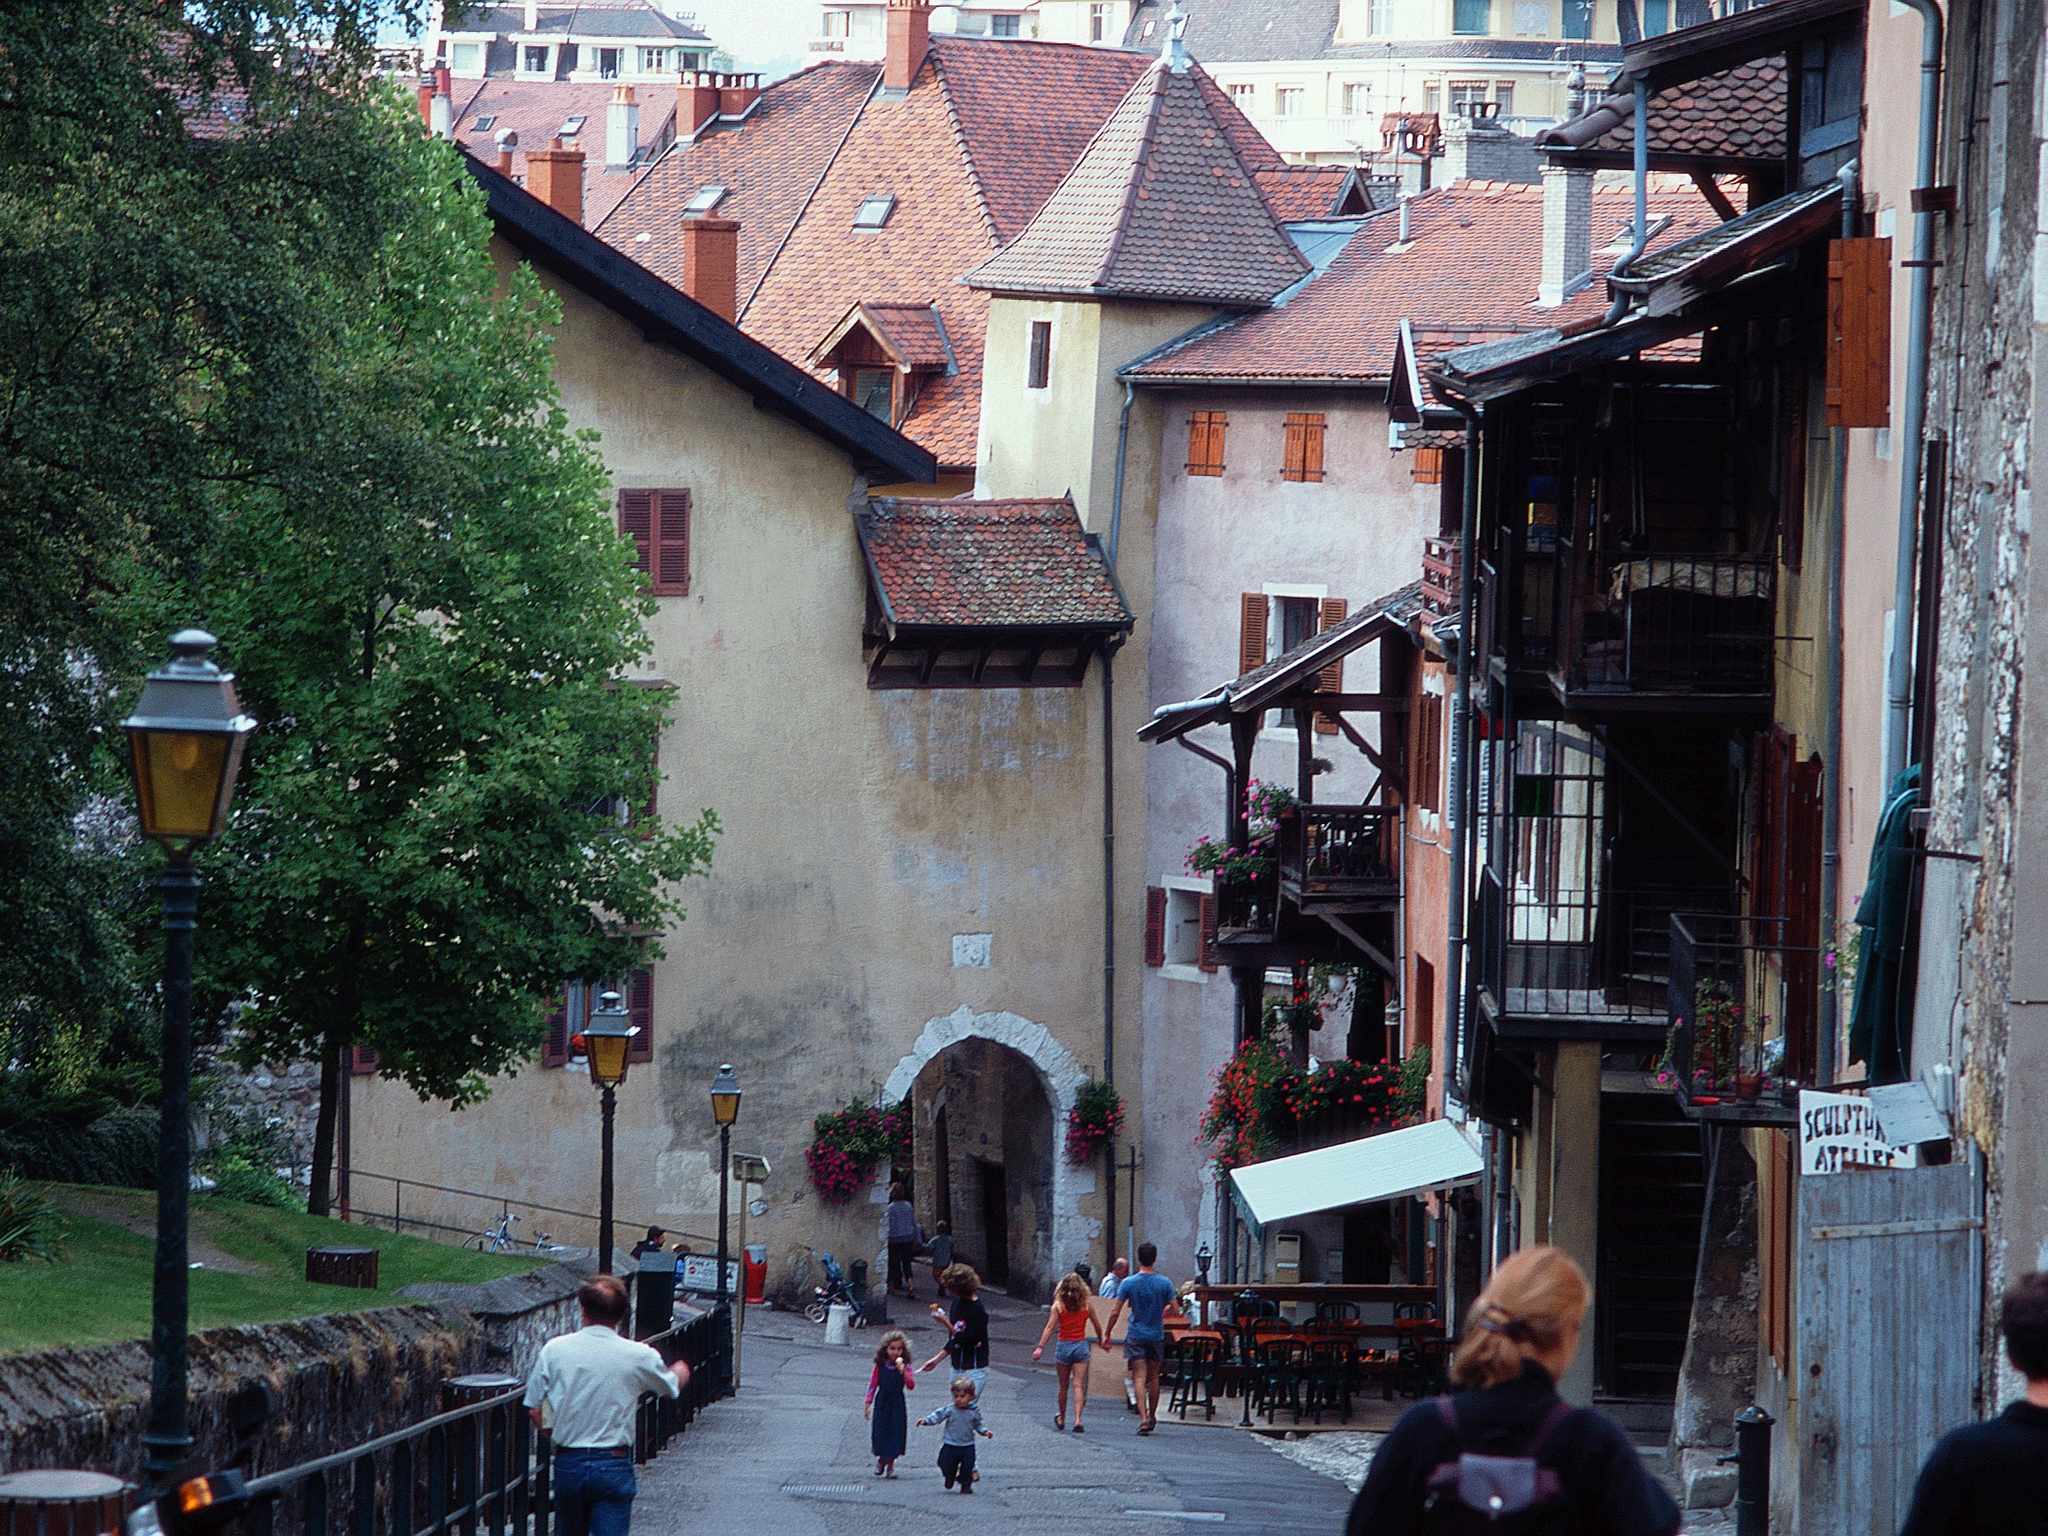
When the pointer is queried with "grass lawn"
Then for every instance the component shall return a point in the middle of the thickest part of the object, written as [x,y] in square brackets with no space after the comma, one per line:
[254,1266]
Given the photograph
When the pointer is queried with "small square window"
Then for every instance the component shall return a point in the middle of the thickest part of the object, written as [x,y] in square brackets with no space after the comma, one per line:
[874,212]
[534,59]
[653,61]
[1290,100]
[608,63]
[482,124]
[466,58]
[1003,26]
[1183,926]
[708,197]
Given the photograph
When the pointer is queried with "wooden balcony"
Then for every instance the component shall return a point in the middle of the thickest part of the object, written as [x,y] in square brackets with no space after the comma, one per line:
[1680,631]
[1442,575]
[1339,858]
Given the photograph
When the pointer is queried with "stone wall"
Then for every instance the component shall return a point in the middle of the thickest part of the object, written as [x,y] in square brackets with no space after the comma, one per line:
[1718,1377]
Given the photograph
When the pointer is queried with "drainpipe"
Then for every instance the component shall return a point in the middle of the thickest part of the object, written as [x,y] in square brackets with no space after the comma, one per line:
[1116,524]
[1639,237]
[1899,664]
[1831,702]
[1461,714]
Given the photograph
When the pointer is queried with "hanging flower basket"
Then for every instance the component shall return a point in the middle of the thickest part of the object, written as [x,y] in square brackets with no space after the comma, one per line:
[1097,1115]
[851,1143]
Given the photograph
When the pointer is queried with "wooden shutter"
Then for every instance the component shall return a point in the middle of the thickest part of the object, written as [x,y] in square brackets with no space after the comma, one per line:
[1155,925]
[1429,753]
[1292,451]
[1208,952]
[1251,632]
[1803,918]
[672,543]
[362,1061]
[1041,354]
[1859,333]
[1302,455]
[636,521]
[1205,442]
[554,1040]
[640,1014]
[1331,678]
[645,816]
[1775,1241]
[1428,467]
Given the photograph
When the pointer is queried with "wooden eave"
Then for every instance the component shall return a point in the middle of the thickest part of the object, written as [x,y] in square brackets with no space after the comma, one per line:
[1677,58]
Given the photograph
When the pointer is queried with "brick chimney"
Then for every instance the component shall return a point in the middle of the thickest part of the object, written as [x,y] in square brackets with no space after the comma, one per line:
[621,128]
[555,176]
[910,37]
[697,99]
[508,142]
[711,264]
[736,93]
[1567,233]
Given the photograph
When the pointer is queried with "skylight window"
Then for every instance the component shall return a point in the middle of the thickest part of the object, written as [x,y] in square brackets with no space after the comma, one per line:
[874,211]
[482,124]
[571,126]
[708,197]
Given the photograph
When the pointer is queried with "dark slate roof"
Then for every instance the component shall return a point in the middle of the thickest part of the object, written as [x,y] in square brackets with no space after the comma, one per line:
[588,18]
[1510,50]
[1024,563]
[1738,115]
[1159,206]
[671,318]
[1239,31]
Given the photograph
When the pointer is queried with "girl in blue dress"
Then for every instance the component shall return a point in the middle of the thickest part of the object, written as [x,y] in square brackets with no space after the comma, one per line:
[888,1418]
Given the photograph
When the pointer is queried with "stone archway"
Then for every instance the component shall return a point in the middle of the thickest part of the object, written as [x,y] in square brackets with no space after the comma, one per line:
[1059,1075]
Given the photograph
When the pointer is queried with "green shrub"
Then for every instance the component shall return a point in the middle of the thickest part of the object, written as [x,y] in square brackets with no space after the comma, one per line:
[30,1227]
[238,1177]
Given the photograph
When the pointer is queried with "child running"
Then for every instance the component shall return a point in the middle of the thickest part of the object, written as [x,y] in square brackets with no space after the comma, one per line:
[1071,1315]
[885,1412]
[962,1420]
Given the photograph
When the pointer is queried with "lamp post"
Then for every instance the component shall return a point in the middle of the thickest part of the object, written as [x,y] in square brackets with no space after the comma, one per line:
[185,745]
[725,1110]
[607,1039]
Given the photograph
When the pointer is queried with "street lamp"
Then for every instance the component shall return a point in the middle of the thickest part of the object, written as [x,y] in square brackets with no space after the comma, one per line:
[185,745]
[725,1110]
[607,1038]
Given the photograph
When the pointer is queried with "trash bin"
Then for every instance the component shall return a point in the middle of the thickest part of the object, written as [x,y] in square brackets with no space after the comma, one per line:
[84,1503]
[756,1273]
[461,1391]
[838,1321]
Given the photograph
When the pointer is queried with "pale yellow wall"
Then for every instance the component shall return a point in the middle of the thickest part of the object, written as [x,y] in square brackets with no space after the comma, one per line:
[862,832]
[1067,21]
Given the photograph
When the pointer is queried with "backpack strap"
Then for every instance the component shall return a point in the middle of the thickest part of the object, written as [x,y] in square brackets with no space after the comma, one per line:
[1552,1421]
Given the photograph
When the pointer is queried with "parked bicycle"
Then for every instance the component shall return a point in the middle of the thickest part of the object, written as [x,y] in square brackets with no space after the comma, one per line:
[498,1238]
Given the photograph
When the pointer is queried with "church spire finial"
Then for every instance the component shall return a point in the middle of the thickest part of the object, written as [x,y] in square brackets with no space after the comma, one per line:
[1175,51]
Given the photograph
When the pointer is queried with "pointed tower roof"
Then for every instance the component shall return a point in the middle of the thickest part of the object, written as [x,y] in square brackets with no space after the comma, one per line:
[1159,206]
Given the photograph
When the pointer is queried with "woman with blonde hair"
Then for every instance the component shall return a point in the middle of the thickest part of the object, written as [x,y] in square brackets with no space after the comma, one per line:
[1073,1317]
[1507,1453]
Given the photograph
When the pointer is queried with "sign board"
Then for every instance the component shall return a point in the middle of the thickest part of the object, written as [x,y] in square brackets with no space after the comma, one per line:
[749,1168]
[1842,1130]
[1908,1113]
[700,1273]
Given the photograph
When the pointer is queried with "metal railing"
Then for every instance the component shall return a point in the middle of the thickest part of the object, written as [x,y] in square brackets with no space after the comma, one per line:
[1334,850]
[1732,979]
[482,1467]
[502,1204]
[1677,623]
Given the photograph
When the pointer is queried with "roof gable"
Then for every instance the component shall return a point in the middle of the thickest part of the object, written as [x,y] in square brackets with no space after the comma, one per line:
[1023,563]
[1160,207]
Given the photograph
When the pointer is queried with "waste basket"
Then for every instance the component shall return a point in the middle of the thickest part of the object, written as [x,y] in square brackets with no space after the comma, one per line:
[838,1320]
[756,1273]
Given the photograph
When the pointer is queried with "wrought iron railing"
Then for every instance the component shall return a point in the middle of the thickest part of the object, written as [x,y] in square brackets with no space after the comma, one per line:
[1742,1004]
[389,1188]
[1676,623]
[1334,850]
[482,1467]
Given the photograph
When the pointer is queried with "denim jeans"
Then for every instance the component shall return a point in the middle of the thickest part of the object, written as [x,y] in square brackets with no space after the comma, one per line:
[593,1493]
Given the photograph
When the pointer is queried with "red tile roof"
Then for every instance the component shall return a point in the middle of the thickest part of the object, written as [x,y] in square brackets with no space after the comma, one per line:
[913,333]
[1471,268]
[1738,114]
[1024,563]
[536,110]
[1297,192]
[1159,207]
[768,163]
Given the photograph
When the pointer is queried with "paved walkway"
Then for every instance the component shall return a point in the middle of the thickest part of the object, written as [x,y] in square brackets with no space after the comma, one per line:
[789,1455]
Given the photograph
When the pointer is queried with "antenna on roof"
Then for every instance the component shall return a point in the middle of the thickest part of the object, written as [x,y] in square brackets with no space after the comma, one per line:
[1175,50]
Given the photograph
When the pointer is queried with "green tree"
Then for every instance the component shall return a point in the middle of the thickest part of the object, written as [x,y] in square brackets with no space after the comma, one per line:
[432,613]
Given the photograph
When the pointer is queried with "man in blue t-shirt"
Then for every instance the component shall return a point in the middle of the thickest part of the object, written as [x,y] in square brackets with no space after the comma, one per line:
[1148,1295]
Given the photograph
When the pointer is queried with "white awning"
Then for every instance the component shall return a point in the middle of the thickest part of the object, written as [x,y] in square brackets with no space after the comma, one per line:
[1434,1155]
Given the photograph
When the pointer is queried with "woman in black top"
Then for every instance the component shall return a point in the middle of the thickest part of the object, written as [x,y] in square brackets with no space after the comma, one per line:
[966,1323]
[1521,1337]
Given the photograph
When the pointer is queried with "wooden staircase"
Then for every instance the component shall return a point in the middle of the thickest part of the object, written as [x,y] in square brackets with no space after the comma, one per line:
[1652,1201]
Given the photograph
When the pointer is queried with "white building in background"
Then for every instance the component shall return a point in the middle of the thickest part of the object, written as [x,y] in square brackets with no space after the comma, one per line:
[856,29]
[584,43]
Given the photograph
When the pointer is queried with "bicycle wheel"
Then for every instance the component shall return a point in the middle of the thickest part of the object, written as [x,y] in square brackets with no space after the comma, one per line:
[815,1311]
[480,1243]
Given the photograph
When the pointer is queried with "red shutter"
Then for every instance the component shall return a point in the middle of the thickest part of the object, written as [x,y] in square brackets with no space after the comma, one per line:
[1859,333]
[1331,678]
[1208,957]
[362,1061]
[1802,928]
[672,543]
[554,1040]
[636,521]
[640,1014]
[1155,925]
[1251,632]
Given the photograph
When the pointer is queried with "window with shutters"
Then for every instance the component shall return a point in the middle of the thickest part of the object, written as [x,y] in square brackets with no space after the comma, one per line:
[1187,933]
[362,1061]
[638,993]
[1426,782]
[1331,612]
[1040,367]
[1205,441]
[1294,619]
[574,1005]
[658,523]
[1302,454]
[564,1019]
[1155,925]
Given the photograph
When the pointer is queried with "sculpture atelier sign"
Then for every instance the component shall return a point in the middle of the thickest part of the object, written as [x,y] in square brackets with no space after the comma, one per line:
[1841,1130]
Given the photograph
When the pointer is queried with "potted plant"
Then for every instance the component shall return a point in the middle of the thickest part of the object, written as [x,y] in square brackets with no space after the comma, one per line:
[1097,1115]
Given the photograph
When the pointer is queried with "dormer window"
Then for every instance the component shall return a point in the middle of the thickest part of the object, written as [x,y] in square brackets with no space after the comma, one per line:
[654,61]
[708,197]
[465,58]
[482,124]
[874,212]
[608,63]
[537,59]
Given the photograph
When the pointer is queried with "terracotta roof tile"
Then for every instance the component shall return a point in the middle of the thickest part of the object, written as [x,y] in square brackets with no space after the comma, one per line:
[1159,207]
[913,332]
[989,564]
[1737,114]
[768,163]
[1298,192]
[536,111]
[1471,270]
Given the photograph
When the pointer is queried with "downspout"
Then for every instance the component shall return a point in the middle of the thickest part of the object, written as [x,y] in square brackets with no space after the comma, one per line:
[1461,712]
[1116,523]
[1639,236]
[1831,701]
[1899,664]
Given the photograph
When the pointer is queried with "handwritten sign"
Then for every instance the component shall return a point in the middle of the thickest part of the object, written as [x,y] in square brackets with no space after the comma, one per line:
[1841,1130]
[700,1273]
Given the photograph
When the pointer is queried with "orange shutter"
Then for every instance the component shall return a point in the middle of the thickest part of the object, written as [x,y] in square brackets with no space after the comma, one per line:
[554,1040]
[1208,954]
[1251,632]
[1859,333]
[1312,429]
[636,521]
[1331,678]
[1155,925]
[1205,442]
[672,543]
[1219,421]
[640,1014]
[1293,452]
[362,1061]
[1428,468]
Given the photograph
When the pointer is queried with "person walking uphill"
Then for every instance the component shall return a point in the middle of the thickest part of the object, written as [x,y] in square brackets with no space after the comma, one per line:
[1148,1295]
[1554,1469]
[900,1228]
[586,1387]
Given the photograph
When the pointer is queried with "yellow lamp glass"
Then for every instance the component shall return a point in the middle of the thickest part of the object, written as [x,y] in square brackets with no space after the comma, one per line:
[608,1055]
[178,778]
[725,1096]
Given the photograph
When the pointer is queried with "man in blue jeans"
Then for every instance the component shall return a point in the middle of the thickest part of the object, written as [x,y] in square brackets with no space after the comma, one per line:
[1147,1295]
[589,1384]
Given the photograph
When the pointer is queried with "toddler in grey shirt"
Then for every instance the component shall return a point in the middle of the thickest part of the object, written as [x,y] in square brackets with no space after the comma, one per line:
[962,1421]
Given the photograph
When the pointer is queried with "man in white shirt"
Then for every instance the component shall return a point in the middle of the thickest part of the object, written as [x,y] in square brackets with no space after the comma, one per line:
[590,1384]
[1112,1283]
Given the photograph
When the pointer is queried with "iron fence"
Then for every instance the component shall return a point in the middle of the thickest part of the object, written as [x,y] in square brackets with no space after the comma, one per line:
[502,1205]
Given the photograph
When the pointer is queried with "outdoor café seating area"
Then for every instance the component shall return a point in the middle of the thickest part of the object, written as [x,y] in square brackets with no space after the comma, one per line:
[1293,1355]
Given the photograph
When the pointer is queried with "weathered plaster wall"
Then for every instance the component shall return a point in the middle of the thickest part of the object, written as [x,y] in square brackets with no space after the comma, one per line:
[862,832]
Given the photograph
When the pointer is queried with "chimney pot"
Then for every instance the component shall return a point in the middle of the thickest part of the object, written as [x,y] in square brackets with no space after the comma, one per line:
[711,258]
[621,128]
[910,38]
[441,110]
[1402,237]
[697,102]
[1567,233]
[532,15]
[555,176]
[508,141]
